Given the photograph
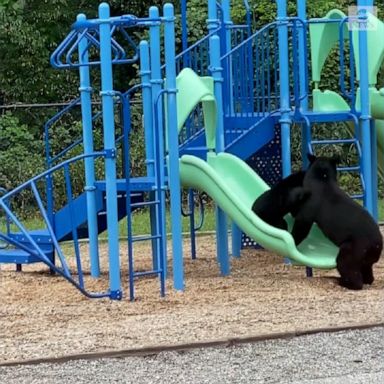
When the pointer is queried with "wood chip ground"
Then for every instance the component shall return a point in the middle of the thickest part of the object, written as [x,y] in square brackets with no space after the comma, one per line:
[44,316]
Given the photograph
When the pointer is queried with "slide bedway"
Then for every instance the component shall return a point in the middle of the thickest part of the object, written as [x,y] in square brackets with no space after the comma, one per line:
[218,118]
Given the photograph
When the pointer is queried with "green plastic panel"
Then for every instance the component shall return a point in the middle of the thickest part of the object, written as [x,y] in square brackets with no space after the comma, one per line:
[323,38]
[192,90]
[375,39]
[328,101]
[234,186]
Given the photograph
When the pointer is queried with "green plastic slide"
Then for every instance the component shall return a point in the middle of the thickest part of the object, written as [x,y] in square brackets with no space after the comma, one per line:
[234,186]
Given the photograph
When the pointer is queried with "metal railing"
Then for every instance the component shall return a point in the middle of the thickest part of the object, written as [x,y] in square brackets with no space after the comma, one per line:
[30,245]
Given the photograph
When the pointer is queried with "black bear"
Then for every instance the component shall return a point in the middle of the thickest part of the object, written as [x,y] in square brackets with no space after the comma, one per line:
[342,220]
[283,198]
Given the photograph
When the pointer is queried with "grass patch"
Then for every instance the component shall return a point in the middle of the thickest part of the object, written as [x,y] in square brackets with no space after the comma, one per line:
[141,222]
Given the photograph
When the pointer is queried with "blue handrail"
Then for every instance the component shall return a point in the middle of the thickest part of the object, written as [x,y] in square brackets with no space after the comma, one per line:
[252,64]
[33,248]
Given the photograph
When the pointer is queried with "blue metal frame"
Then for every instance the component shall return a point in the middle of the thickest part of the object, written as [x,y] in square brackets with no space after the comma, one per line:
[173,147]
[156,82]
[221,221]
[107,95]
[31,245]
[365,117]
[263,79]
[285,119]
[86,111]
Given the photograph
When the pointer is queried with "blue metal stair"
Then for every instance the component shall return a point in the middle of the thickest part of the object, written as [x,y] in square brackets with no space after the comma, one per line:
[19,256]
[249,135]
[321,117]
[245,135]
[63,229]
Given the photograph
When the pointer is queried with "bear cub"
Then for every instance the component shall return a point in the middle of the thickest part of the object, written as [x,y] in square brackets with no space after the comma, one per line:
[283,198]
[342,220]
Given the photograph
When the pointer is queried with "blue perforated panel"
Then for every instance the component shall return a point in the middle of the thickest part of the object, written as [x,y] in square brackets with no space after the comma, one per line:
[267,164]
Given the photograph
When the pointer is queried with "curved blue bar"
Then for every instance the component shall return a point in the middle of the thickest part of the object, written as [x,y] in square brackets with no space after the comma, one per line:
[126,20]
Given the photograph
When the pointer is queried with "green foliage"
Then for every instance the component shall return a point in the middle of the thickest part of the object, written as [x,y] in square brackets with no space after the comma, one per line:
[19,153]
[198,14]
[19,157]
[30,31]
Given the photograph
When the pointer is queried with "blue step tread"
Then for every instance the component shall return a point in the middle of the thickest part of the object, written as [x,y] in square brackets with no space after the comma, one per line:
[326,117]
[251,140]
[17,256]
[137,184]
[41,236]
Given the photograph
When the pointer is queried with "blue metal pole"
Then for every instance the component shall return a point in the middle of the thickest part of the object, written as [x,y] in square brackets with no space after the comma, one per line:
[365,111]
[374,192]
[303,62]
[107,94]
[226,44]
[221,226]
[49,181]
[227,65]
[212,21]
[156,82]
[285,120]
[86,113]
[173,147]
[184,25]
[374,170]
[226,6]
[236,240]
[191,207]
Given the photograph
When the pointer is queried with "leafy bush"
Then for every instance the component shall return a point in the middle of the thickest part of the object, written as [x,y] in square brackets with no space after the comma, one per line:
[19,157]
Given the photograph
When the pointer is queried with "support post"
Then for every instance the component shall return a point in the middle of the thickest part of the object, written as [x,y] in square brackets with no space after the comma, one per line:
[365,125]
[375,202]
[303,63]
[184,25]
[225,43]
[221,226]
[107,95]
[212,21]
[236,240]
[303,60]
[173,147]
[285,120]
[89,164]
[156,81]
[226,7]
[191,208]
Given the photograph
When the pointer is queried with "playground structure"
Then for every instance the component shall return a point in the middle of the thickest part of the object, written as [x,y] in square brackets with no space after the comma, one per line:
[205,112]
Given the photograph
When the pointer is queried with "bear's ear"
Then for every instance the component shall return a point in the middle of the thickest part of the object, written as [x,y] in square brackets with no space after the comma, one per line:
[311,157]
